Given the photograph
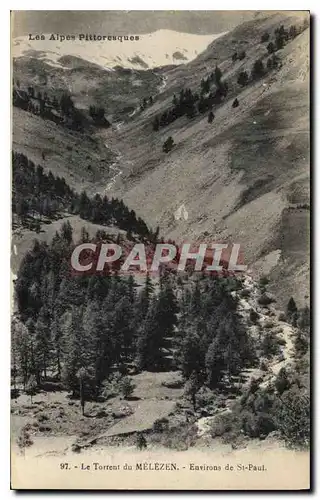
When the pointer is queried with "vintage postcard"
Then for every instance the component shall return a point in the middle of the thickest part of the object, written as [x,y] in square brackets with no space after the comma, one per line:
[160,321]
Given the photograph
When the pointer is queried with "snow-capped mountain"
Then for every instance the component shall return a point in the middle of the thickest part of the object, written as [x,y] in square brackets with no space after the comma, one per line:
[146,51]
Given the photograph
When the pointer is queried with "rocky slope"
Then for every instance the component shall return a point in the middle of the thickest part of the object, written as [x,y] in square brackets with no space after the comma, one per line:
[245,177]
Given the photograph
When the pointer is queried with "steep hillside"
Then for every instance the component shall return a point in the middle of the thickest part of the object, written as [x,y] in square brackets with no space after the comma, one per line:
[83,160]
[245,176]
[119,90]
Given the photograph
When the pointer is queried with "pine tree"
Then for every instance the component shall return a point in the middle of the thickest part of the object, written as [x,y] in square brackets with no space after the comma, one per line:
[303,322]
[156,124]
[271,48]
[148,344]
[243,78]
[78,350]
[123,331]
[144,299]
[43,343]
[235,103]
[214,363]
[190,353]
[66,232]
[210,117]
[191,388]
[257,70]
[217,75]
[291,307]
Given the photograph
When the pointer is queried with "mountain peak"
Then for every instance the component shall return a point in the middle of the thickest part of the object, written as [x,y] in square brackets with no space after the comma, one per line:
[164,47]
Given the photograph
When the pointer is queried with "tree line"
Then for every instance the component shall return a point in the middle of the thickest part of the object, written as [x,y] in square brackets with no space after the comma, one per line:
[213,90]
[188,103]
[61,111]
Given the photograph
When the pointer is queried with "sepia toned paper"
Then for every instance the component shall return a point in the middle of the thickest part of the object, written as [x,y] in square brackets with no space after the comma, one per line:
[160,334]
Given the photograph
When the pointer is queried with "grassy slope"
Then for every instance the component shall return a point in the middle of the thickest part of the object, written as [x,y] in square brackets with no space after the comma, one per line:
[67,153]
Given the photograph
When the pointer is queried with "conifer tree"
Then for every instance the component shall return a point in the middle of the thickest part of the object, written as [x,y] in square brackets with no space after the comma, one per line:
[210,117]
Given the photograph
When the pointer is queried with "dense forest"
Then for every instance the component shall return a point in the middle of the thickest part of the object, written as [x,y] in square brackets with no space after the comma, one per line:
[89,328]
[37,195]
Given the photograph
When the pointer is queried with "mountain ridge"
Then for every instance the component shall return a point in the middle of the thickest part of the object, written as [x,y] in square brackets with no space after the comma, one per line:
[152,50]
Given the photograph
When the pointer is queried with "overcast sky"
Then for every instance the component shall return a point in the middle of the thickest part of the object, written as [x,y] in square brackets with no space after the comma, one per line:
[123,22]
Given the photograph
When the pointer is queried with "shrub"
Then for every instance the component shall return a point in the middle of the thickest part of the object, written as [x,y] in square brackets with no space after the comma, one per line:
[161,425]
[75,448]
[301,344]
[293,418]
[14,393]
[273,62]
[293,31]
[127,387]
[257,70]
[254,385]
[44,428]
[243,78]
[43,417]
[141,442]
[282,317]
[271,48]
[291,307]
[242,55]
[24,439]
[254,316]
[223,423]
[280,41]
[123,370]
[235,103]
[304,319]
[210,117]
[263,366]
[265,300]
[258,425]
[268,324]
[180,437]
[270,345]
[101,413]
[263,281]
[265,37]
[168,145]
[282,382]
[31,387]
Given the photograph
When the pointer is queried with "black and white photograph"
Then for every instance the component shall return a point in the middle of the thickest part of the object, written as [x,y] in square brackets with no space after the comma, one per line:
[160,250]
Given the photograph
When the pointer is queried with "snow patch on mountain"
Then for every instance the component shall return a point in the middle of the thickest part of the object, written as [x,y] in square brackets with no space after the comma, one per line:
[160,48]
